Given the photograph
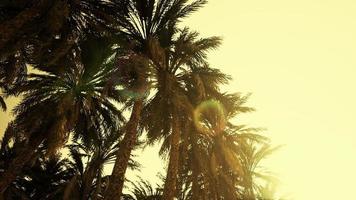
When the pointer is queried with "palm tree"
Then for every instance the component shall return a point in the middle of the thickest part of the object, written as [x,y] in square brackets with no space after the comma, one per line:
[170,107]
[2,104]
[88,182]
[10,77]
[222,159]
[43,32]
[46,179]
[259,182]
[80,96]
[98,152]
[202,145]
[11,142]
[143,190]
[201,84]
[42,178]
[146,25]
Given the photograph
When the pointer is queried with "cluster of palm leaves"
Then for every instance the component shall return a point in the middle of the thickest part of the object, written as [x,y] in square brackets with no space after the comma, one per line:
[94,76]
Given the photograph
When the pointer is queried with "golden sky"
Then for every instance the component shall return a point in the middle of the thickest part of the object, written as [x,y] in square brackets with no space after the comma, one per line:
[297,58]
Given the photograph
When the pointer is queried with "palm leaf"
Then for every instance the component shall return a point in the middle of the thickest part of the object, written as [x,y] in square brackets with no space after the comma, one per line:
[2,104]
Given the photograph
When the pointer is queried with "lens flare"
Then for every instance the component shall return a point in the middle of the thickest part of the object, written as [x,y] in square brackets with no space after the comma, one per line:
[209,117]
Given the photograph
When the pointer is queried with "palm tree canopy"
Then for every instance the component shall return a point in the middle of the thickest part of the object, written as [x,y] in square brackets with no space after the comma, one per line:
[79,98]
[147,19]
[44,33]
[143,190]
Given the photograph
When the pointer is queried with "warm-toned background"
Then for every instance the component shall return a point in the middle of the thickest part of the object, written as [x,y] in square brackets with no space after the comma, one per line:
[298,58]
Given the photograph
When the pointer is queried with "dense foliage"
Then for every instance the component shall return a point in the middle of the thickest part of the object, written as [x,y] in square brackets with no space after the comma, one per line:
[78,66]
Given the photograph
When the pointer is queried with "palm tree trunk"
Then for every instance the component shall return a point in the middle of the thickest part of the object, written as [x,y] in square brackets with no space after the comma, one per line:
[117,178]
[25,154]
[88,181]
[170,185]
[69,188]
[182,159]
[98,186]
[195,184]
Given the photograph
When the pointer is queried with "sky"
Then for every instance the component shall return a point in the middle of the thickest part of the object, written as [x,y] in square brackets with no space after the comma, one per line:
[297,59]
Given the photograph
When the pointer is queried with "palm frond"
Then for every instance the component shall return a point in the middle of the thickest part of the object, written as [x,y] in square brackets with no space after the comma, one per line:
[2,104]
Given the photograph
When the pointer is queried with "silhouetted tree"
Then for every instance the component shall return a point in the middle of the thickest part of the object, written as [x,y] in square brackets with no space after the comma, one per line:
[147,24]
[55,103]
[143,190]
[94,60]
